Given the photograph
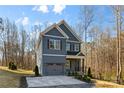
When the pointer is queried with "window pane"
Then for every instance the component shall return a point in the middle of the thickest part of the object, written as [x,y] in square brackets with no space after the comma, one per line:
[54,44]
[51,44]
[58,44]
[76,47]
[68,47]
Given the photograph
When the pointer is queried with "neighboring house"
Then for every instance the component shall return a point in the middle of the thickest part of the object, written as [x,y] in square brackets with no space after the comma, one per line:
[58,50]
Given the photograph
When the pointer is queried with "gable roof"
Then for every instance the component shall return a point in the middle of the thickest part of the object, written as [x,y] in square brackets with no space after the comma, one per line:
[80,54]
[73,32]
[58,29]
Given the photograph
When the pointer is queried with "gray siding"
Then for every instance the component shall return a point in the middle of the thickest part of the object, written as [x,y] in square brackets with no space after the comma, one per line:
[66,30]
[54,32]
[46,50]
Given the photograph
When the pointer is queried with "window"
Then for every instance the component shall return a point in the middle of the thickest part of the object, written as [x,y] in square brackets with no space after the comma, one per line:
[76,47]
[54,44]
[68,46]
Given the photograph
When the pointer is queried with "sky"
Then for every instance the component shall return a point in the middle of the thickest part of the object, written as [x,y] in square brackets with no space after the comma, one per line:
[30,15]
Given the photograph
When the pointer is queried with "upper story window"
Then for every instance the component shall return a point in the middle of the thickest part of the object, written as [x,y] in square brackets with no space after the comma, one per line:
[68,46]
[54,44]
[76,47]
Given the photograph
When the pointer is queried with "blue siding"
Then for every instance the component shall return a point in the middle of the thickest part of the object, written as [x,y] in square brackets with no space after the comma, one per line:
[54,59]
[57,56]
[54,32]
[66,30]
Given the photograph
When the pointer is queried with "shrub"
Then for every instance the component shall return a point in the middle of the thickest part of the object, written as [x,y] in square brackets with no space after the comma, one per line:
[73,73]
[86,78]
[89,72]
[69,73]
[78,77]
[12,66]
[36,71]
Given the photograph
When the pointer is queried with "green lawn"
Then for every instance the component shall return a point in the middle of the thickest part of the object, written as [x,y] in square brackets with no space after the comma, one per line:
[10,79]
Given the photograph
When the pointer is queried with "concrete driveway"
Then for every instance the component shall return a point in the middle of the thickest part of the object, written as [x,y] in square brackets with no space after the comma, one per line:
[56,82]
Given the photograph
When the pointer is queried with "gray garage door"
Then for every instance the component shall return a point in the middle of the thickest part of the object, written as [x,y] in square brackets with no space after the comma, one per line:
[54,69]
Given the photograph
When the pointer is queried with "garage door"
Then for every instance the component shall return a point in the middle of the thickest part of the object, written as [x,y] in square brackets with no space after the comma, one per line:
[54,69]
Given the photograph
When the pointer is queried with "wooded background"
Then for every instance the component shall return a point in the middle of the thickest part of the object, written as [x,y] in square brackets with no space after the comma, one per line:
[104,52]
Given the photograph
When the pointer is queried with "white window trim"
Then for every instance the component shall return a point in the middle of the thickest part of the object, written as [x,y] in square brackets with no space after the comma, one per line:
[55,42]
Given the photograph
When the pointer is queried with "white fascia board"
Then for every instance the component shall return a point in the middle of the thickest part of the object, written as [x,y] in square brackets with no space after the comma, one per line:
[57,27]
[53,55]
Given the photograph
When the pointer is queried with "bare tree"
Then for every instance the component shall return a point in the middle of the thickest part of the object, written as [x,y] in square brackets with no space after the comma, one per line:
[86,20]
[119,21]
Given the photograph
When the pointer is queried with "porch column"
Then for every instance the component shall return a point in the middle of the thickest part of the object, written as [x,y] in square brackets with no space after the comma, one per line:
[81,65]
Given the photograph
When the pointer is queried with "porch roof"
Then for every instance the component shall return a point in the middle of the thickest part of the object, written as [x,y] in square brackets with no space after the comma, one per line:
[74,57]
[80,55]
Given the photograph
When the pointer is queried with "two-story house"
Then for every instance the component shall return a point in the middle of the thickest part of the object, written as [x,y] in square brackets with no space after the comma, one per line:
[59,50]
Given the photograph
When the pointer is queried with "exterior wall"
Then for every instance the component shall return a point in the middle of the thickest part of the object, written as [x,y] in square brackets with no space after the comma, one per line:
[46,50]
[46,56]
[54,59]
[54,32]
[45,69]
[39,58]
[53,56]
[66,30]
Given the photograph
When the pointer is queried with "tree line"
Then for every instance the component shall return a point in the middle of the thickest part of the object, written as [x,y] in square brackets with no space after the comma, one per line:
[17,44]
[104,52]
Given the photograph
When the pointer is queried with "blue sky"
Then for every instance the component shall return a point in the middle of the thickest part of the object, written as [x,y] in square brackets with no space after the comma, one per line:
[30,15]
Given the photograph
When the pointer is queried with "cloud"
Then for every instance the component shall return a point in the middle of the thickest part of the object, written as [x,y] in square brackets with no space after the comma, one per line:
[23,20]
[38,23]
[42,8]
[34,8]
[58,9]
[18,20]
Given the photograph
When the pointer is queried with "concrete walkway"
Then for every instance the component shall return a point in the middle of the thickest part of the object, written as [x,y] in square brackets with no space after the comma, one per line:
[56,82]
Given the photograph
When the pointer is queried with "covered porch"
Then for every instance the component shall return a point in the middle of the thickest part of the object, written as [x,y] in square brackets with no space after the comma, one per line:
[74,63]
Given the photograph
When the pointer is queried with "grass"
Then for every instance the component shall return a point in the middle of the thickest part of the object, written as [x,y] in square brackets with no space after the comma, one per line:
[12,79]
[106,84]
[18,71]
